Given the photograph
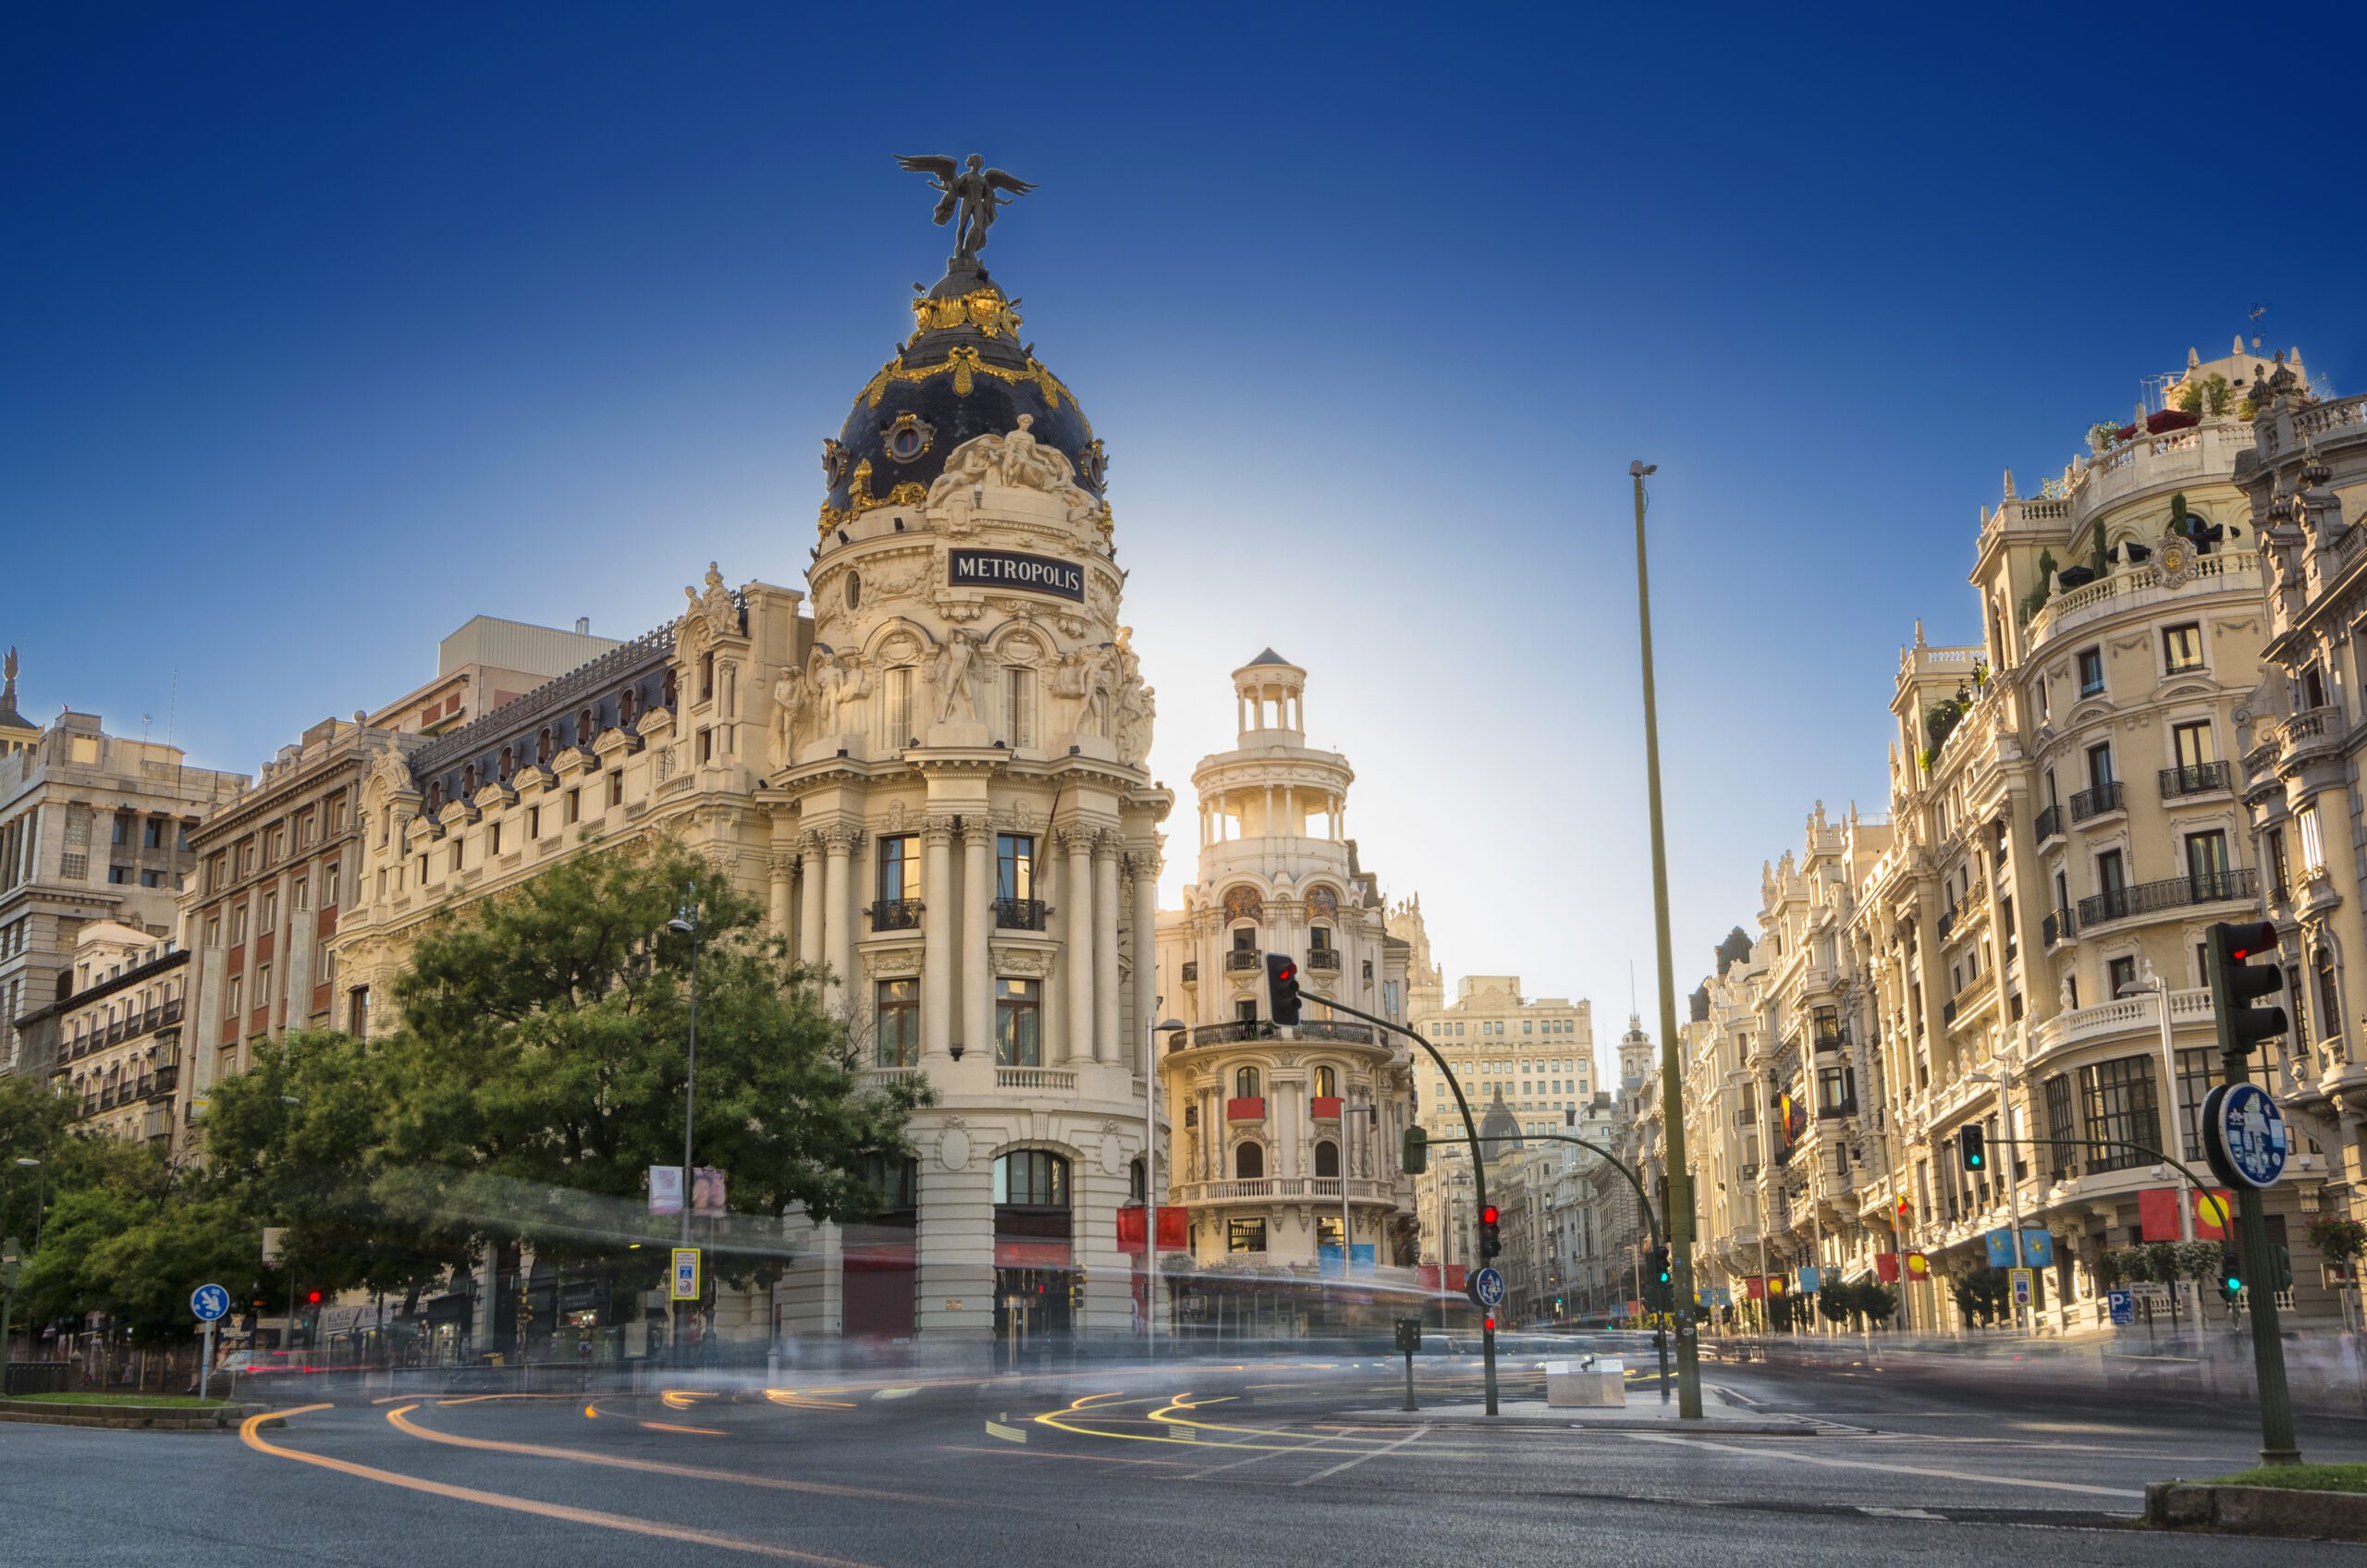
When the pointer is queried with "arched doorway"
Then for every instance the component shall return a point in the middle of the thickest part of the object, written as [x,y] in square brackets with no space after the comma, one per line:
[1035,1281]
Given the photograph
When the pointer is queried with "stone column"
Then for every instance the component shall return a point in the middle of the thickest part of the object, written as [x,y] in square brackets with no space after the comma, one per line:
[839,841]
[783,867]
[1077,951]
[955,1239]
[1106,1046]
[977,928]
[809,916]
[1145,862]
[937,935]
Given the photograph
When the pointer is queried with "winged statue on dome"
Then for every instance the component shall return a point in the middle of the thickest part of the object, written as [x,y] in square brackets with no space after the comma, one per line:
[974,191]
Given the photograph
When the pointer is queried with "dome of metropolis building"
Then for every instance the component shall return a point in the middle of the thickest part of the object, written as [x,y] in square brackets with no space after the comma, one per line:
[964,372]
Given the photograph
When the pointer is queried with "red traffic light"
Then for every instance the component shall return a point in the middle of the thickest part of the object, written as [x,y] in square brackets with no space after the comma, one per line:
[1492,1322]
[1488,1215]
[312,1298]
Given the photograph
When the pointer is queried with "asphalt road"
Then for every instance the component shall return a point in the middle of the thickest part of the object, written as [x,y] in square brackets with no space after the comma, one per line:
[1199,1464]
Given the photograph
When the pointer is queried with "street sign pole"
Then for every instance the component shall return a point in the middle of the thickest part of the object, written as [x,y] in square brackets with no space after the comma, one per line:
[205,1367]
[208,1302]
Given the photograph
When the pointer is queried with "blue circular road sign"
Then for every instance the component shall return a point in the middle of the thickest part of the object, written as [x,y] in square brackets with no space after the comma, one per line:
[2246,1133]
[1488,1287]
[209,1301]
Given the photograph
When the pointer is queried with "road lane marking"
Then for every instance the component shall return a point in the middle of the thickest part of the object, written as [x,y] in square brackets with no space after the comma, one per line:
[400,1421]
[1833,1463]
[1264,1451]
[625,1522]
[1410,1438]
[695,1431]
[1008,1434]
[895,1394]
[1050,1454]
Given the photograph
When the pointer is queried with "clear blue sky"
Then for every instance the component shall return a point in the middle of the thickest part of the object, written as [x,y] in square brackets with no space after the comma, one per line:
[326,329]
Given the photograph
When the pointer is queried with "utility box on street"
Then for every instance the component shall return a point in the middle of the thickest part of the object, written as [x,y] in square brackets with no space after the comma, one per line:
[1594,1383]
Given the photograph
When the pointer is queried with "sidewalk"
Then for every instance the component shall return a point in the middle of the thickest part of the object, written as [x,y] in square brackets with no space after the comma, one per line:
[1720,1418]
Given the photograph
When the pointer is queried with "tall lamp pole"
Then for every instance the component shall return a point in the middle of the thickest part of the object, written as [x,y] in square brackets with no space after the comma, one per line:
[1679,1200]
[1171,1028]
[686,924]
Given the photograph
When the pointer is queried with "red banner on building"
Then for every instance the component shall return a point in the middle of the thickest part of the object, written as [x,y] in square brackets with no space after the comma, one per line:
[2157,1214]
[1886,1268]
[1757,1285]
[1918,1266]
[1174,1229]
[1457,1276]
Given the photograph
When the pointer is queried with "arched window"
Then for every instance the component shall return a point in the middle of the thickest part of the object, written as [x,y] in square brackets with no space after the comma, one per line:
[469,781]
[584,729]
[707,676]
[1326,1083]
[509,762]
[1244,1083]
[436,796]
[1032,1179]
[1134,1178]
[1327,1158]
[543,745]
[624,707]
[673,688]
[1249,1162]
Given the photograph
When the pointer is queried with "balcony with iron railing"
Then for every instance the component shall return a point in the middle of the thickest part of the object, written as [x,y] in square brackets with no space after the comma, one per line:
[2103,798]
[1325,958]
[2208,777]
[1191,971]
[2171,892]
[2058,926]
[1021,914]
[895,914]
[2048,824]
[1240,959]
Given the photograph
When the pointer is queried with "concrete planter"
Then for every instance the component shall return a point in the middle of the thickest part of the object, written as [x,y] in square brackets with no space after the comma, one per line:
[2258,1510]
[127,1417]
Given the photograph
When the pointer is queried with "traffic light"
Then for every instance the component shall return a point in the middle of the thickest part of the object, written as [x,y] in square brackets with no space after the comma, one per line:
[1660,1265]
[1281,990]
[2230,949]
[2231,1278]
[1490,1321]
[1414,1152]
[1974,1143]
[312,1298]
[1489,1243]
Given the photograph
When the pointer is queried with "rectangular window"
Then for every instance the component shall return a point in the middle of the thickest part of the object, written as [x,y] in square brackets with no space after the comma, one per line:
[2092,671]
[1245,1235]
[2100,773]
[898,1029]
[2194,746]
[153,836]
[706,745]
[268,921]
[2120,1105]
[456,855]
[2112,882]
[2206,865]
[900,707]
[2279,880]
[238,925]
[899,868]
[534,821]
[121,832]
[119,875]
[2120,976]
[1014,866]
[1019,1023]
[574,806]
[300,895]
[236,988]
[1019,699]
[2314,852]
[2181,648]
[616,789]
[2198,1075]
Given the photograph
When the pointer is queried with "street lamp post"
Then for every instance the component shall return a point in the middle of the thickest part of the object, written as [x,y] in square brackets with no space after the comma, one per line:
[2153,980]
[685,924]
[1171,1028]
[1678,1202]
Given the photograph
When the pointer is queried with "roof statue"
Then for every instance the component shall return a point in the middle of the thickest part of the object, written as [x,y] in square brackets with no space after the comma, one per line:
[973,193]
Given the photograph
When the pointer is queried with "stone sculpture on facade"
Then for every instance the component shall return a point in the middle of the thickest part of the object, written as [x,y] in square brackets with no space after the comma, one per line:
[956,666]
[715,606]
[789,704]
[1018,461]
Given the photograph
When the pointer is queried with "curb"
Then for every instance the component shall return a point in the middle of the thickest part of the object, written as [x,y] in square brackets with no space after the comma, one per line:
[128,1417]
[2258,1511]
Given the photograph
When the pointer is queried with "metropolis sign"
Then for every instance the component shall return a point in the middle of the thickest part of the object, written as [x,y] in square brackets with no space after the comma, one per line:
[1008,568]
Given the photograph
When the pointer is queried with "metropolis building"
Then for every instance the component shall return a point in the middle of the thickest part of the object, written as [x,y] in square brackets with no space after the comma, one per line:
[929,765]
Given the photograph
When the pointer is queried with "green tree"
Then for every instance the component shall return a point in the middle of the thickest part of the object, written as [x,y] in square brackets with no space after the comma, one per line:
[542,1057]
[1981,1295]
[135,1242]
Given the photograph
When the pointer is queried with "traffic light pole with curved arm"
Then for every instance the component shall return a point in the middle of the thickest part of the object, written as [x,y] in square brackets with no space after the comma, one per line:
[1478,1163]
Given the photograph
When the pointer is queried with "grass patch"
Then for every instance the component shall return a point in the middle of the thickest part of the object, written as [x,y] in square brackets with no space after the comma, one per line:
[2299,1477]
[135,1402]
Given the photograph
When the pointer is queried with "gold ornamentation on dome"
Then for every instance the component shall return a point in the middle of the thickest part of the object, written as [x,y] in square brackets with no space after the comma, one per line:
[964,363]
[861,500]
[985,308]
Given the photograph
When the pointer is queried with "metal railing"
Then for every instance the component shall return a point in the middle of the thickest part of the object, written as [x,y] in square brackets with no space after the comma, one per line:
[1192,972]
[1240,959]
[1021,914]
[2172,892]
[2048,824]
[895,914]
[2096,801]
[1324,957]
[2058,926]
[2194,780]
[1332,1029]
